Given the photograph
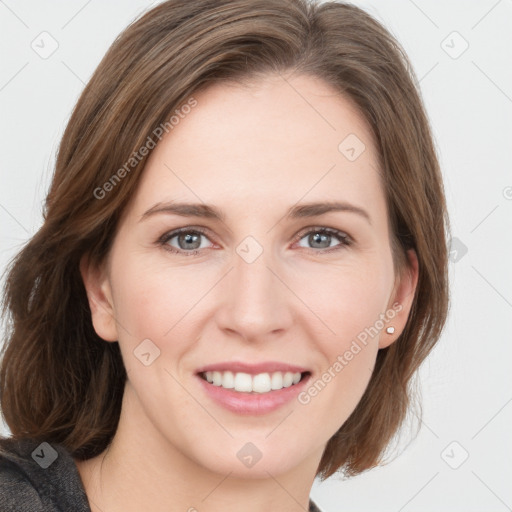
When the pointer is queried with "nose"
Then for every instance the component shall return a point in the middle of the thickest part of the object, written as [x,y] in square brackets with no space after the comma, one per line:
[257,303]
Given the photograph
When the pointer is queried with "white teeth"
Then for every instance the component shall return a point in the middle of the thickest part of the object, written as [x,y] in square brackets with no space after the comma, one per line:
[228,380]
[261,383]
[287,379]
[217,378]
[277,380]
[243,382]
[246,383]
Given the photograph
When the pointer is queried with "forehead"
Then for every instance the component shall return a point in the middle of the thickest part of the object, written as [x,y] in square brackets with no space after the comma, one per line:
[275,140]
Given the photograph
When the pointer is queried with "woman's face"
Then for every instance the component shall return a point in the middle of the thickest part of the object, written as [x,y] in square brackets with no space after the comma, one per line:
[264,275]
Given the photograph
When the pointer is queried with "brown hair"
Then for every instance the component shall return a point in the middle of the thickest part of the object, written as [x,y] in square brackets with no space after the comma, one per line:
[62,383]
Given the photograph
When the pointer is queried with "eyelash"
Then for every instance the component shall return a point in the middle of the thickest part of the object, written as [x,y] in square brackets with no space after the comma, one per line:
[345,240]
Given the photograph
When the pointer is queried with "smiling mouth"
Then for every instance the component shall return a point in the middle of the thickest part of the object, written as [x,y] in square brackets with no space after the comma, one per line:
[248,383]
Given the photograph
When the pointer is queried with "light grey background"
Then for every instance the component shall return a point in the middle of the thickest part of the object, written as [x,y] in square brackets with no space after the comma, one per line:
[468,94]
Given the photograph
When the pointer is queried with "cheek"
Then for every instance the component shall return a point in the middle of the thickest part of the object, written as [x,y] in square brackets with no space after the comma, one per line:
[152,303]
[151,297]
[348,354]
[332,395]
[349,299]
[351,305]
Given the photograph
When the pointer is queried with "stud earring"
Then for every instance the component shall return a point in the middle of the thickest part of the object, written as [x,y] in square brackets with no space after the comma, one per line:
[390,330]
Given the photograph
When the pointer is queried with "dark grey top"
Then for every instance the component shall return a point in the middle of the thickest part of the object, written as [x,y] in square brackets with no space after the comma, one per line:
[37,476]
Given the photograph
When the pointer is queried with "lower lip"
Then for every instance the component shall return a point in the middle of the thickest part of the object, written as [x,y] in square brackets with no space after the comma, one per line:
[252,403]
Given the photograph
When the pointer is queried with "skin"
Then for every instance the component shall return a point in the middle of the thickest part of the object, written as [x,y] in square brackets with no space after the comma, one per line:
[253,152]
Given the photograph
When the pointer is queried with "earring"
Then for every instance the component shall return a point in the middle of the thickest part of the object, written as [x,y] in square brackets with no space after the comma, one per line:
[390,330]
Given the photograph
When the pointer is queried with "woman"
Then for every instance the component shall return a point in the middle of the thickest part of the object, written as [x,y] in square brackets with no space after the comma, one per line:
[242,264]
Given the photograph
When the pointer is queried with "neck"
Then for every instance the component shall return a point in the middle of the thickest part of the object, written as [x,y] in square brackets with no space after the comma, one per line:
[142,470]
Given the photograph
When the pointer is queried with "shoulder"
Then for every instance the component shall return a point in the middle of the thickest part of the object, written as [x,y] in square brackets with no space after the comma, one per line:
[313,507]
[17,491]
[38,476]
[17,494]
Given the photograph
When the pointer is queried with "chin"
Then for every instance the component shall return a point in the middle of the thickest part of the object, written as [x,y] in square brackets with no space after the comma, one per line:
[262,469]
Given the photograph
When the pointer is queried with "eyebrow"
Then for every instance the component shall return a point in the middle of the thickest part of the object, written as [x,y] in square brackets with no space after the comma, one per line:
[211,212]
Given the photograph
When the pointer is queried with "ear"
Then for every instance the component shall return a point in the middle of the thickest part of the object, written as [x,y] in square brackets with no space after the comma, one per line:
[99,293]
[401,299]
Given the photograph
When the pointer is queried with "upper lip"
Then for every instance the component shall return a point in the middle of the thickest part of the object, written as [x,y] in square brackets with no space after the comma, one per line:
[253,369]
